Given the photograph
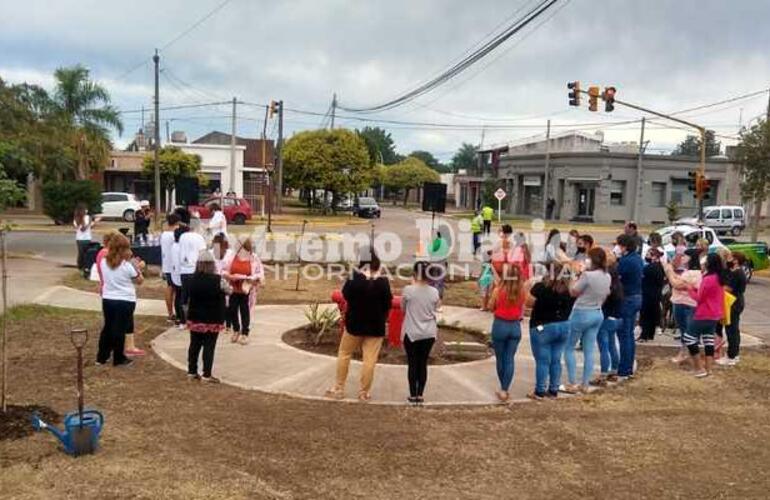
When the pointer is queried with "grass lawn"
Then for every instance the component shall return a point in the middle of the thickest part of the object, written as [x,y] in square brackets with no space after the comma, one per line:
[665,434]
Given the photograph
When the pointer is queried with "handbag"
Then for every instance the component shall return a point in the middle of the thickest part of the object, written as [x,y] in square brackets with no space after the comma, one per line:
[729,300]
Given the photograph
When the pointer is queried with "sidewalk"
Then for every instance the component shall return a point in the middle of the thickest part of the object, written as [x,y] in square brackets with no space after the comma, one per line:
[269,365]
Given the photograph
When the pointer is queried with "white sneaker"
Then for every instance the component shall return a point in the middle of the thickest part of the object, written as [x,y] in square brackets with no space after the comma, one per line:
[734,361]
[723,362]
[181,326]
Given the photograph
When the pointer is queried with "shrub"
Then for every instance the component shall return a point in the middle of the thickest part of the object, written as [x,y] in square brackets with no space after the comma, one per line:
[61,198]
[321,319]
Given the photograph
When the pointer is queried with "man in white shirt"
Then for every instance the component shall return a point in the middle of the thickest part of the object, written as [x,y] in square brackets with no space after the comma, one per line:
[218,222]
[166,242]
[190,245]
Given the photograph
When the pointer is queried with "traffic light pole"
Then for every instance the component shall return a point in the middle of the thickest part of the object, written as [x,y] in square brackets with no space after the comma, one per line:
[700,129]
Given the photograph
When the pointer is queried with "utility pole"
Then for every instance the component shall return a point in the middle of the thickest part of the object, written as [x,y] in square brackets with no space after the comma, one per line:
[168,135]
[156,133]
[638,194]
[547,180]
[268,174]
[334,109]
[232,150]
[279,161]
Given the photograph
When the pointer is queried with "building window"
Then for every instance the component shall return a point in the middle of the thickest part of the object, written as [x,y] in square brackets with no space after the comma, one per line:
[658,194]
[618,193]
[681,194]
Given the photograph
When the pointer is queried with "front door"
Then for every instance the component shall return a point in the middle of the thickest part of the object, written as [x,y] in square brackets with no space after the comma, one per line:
[585,205]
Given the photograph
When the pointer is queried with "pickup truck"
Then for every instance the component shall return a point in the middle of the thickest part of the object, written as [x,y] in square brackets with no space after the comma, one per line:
[237,210]
[756,253]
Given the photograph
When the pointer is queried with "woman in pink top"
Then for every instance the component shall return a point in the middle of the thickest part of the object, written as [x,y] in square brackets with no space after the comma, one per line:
[709,309]
[682,279]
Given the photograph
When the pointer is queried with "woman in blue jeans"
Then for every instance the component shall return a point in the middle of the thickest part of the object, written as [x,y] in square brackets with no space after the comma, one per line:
[591,289]
[608,349]
[507,303]
[549,330]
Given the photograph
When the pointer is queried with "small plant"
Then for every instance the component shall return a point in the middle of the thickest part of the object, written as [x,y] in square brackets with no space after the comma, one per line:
[672,210]
[321,320]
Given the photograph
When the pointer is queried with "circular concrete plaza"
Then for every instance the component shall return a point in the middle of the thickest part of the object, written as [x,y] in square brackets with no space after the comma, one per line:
[270,365]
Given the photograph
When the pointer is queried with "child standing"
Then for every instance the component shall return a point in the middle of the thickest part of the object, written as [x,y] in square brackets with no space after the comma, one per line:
[485,280]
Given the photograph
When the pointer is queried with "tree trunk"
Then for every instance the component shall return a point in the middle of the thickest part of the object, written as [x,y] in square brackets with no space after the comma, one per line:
[406,195]
[758,201]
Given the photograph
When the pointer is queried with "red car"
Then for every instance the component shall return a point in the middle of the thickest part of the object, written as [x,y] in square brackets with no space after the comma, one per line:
[237,210]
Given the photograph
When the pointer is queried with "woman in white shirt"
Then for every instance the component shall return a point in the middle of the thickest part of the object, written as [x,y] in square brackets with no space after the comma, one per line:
[119,272]
[176,276]
[218,222]
[83,224]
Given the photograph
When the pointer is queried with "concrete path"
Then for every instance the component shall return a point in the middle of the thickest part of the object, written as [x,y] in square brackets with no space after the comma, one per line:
[267,364]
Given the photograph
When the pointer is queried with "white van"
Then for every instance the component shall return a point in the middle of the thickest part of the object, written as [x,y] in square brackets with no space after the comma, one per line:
[721,218]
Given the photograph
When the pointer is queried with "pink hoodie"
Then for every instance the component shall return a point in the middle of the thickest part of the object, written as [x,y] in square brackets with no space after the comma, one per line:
[710,298]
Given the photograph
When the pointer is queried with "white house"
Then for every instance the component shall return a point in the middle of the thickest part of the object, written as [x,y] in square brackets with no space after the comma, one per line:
[215,164]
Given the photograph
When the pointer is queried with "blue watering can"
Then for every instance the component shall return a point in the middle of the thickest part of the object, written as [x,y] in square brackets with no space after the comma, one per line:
[81,431]
[83,427]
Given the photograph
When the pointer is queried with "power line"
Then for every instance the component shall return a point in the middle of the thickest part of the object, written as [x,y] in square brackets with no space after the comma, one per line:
[195,25]
[181,106]
[458,68]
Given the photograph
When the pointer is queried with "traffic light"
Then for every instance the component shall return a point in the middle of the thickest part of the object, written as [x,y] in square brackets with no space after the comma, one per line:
[593,98]
[273,109]
[574,94]
[694,180]
[609,99]
[705,188]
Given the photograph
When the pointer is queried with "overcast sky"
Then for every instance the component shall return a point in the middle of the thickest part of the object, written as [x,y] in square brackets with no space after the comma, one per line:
[665,54]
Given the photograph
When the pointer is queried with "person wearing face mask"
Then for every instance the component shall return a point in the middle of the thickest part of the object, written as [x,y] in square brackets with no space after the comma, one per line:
[585,242]
[682,278]
[653,278]
[630,267]
[656,241]
[698,254]
[572,239]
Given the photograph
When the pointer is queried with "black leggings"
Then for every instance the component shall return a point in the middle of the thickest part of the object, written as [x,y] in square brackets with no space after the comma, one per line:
[82,249]
[733,330]
[239,306]
[417,357]
[201,340]
[118,321]
[179,305]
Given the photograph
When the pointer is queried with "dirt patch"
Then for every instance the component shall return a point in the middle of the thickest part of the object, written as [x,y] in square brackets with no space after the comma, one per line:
[445,350]
[663,435]
[15,423]
[280,288]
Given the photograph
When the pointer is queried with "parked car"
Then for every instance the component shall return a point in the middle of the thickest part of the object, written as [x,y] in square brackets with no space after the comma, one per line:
[367,208]
[722,218]
[756,253]
[237,210]
[119,206]
[344,204]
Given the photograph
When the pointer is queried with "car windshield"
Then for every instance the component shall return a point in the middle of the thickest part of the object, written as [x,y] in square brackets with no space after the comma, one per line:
[366,202]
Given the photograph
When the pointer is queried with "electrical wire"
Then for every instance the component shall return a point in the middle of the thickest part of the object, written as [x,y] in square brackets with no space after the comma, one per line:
[461,66]
[195,25]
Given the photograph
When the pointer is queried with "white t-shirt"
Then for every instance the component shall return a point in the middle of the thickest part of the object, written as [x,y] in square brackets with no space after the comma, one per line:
[218,223]
[176,273]
[190,245]
[166,241]
[86,234]
[118,284]
[220,263]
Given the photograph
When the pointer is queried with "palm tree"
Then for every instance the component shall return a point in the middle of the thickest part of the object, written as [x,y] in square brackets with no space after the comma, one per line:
[85,105]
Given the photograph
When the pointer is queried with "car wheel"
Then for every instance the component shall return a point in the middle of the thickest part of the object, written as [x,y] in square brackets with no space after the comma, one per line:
[239,219]
[128,215]
[736,231]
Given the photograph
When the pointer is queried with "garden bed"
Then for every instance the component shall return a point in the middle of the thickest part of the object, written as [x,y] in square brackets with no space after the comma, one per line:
[454,345]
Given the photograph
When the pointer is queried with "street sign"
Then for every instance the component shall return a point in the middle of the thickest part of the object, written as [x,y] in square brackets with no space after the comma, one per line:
[500,194]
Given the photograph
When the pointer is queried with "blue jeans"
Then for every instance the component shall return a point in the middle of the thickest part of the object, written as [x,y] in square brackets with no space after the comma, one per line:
[608,347]
[584,325]
[628,313]
[547,342]
[682,316]
[505,340]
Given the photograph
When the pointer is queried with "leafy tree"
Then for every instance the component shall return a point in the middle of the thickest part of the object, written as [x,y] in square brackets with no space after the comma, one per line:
[754,155]
[85,106]
[691,146]
[174,165]
[379,145]
[431,161]
[336,161]
[409,174]
[61,198]
[465,158]
[10,192]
